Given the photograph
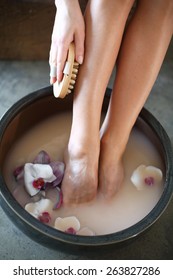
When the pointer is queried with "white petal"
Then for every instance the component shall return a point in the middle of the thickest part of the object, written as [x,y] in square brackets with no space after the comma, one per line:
[85,231]
[36,208]
[35,171]
[68,222]
[155,172]
[136,177]
[28,179]
[142,172]
[44,171]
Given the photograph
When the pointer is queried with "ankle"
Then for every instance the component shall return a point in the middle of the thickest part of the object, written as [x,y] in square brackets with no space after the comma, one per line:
[83,148]
[114,148]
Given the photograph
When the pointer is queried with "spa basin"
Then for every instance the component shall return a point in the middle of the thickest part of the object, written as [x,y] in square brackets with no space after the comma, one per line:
[40,105]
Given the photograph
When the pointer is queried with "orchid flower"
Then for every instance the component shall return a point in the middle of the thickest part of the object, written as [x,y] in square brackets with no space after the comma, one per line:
[71,225]
[36,175]
[146,176]
[40,174]
[41,210]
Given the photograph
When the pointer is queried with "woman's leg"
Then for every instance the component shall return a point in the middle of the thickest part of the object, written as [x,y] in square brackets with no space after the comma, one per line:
[105,22]
[142,52]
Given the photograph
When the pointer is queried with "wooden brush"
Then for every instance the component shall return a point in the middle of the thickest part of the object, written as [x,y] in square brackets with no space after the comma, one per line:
[70,73]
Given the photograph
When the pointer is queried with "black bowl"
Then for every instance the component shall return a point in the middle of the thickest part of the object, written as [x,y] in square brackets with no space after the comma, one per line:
[38,106]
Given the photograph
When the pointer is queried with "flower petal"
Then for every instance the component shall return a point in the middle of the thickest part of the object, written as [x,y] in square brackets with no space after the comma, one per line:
[59,199]
[37,208]
[154,172]
[71,231]
[35,171]
[86,232]
[144,176]
[18,173]
[44,217]
[42,157]
[58,170]
[64,224]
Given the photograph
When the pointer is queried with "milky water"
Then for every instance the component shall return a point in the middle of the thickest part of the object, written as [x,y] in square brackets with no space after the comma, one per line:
[125,209]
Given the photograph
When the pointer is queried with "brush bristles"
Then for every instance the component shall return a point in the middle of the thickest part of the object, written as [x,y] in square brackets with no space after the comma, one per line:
[73,77]
[75,71]
[72,82]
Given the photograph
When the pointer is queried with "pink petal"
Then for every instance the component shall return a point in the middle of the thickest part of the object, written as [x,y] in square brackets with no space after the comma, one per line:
[149,181]
[44,217]
[59,199]
[70,231]
[58,170]
[18,173]
[42,157]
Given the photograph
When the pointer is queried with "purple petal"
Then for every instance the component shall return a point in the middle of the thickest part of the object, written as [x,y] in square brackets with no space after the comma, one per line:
[71,231]
[44,217]
[18,173]
[58,170]
[42,158]
[59,199]
[149,181]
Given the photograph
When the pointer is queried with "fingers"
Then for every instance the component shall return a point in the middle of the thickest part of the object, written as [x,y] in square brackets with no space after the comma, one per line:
[58,56]
[53,71]
[52,63]
[61,59]
[79,47]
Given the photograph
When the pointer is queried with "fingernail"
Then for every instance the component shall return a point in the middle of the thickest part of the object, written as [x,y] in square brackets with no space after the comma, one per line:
[52,80]
[80,59]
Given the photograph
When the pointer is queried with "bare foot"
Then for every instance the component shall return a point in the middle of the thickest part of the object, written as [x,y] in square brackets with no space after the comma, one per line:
[80,180]
[111,171]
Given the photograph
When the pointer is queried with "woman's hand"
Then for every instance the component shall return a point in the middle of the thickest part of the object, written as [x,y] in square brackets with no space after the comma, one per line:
[69,26]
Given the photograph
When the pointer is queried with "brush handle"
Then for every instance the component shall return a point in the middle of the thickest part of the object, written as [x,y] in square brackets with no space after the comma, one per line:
[70,73]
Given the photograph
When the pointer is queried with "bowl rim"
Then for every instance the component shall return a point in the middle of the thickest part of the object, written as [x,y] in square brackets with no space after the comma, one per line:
[105,239]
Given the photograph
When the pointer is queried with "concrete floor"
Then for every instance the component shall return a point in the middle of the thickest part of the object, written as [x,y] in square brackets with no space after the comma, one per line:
[20,78]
